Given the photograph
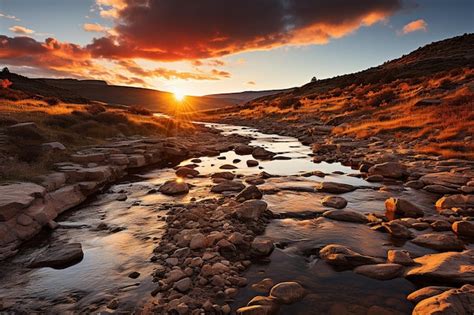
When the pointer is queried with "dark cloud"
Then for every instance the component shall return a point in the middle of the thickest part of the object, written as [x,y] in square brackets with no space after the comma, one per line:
[183,29]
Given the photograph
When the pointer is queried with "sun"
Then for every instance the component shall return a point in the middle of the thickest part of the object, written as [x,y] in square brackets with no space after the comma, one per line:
[179,95]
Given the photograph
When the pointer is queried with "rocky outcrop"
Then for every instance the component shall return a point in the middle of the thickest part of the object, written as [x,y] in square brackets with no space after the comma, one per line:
[342,256]
[454,301]
[389,169]
[401,208]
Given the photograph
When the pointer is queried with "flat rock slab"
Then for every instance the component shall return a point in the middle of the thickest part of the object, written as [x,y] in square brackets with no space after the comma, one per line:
[380,271]
[346,215]
[58,256]
[438,241]
[17,196]
[335,188]
[454,301]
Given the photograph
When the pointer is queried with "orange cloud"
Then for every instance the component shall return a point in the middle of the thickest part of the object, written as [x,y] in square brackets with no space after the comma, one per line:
[251,83]
[95,27]
[418,25]
[21,30]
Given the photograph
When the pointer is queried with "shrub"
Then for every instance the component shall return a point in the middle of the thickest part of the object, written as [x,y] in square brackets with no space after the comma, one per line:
[5,83]
[95,109]
[289,102]
[52,101]
[111,118]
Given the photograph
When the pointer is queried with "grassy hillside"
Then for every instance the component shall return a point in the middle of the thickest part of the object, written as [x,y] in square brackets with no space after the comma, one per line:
[424,101]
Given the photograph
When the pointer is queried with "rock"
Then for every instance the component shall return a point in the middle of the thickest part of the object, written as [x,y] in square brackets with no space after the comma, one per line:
[437,241]
[252,163]
[446,179]
[250,192]
[401,208]
[263,286]
[261,248]
[174,187]
[346,215]
[455,201]
[334,202]
[186,172]
[183,285]
[342,256]
[227,185]
[464,228]
[397,230]
[425,293]
[401,257]
[53,146]
[375,178]
[389,169]
[243,149]
[335,188]
[26,130]
[88,158]
[174,275]
[134,275]
[198,241]
[262,154]
[224,175]
[255,310]
[288,292]
[380,271]
[440,225]
[17,196]
[415,184]
[250,209]
[441,190]
[58,256]
[53,181]
[448,268]
[268,302]
[454,301]
[228,167]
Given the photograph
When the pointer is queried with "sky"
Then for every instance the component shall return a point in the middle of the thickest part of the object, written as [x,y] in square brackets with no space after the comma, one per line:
[198,47]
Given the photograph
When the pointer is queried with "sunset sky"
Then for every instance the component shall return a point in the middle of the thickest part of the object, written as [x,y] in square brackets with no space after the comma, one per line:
[212,46]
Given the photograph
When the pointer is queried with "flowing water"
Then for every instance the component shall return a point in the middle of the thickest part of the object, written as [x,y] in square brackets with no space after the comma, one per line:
[118,238]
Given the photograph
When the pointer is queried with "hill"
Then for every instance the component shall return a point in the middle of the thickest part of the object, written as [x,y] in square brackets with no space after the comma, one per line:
[423,101]
[245,96]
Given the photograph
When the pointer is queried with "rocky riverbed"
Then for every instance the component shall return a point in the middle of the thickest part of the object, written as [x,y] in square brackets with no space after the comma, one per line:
[266,227]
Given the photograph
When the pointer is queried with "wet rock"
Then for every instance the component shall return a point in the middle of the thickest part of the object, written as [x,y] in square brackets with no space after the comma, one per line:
[252,163]
[263,286]
[335,188]
[224,175]
[174,275]
[346,215]
[186,172]
[342,256]
[243,149]
[227,185]
[134,275]
[464,228]
[53,146]
[17,196]
[441,190]
[288,292]
[401,208]
[401,257]
[440,242]
[255,310]
[228,167]
[415,184]
[380,271]
[375,178]
[58,256]
[440,225]
[262,154]
[334,202]
[447,268]
[250,192]
[389,169]
[250,209]
[261,248]
[268,302]
[454,301]
[397,230]
[198,241]
[426,292]
[446,179]
[173,187]
[455,201]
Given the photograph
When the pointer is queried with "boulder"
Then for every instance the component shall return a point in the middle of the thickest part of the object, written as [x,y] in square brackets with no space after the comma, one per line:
[261,248]
[440,190]
[53,146]
[455,201]
[26,130]
[342,256]
[183,285]
[252,163]
[288,292]
[174,187]
[256,310]
[263,286]
[334,188]
[454,301]
[401,257]
[270,303]
[464,228]
[243,149]
[426,292]
[58,256]
[446,179]
[401,208]
[346,215]
[438,241]
[397,230]
[250,209]
[223,175]
[334,202]
[17,196]
[227,185]
[448,268]
[186,172]
[228,167]
[250,192]
[262,154]
[380,271]
[389,169]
